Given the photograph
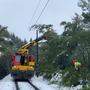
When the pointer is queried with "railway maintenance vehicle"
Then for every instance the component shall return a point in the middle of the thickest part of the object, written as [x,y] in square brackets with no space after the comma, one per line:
[23,64]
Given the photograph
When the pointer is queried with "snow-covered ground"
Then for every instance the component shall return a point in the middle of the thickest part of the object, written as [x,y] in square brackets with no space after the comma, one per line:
[58,78]
[8,84]
[43,84]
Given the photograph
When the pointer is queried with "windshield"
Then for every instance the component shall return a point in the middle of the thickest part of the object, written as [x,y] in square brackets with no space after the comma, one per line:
[18,57]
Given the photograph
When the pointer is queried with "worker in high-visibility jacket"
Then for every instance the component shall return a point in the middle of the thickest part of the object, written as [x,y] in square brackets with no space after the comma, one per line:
[77,64]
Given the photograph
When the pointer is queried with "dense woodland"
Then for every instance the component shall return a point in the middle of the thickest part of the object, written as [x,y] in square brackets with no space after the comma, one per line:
[56,53]
[9,43]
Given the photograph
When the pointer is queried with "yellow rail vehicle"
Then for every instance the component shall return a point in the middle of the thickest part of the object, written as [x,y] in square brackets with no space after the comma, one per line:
[23,64]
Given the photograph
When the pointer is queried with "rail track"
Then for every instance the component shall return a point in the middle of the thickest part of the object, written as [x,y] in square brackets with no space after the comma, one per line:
[36,88]
[16,85]
[27,81]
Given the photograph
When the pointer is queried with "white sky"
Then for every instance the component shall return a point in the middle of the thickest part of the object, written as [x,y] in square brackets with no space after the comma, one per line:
[16,14]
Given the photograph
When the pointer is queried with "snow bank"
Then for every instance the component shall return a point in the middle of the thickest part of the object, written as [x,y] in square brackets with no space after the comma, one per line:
[43,84]
[8,78]
[70,88]
[56,78]
[25,86]
[8,84]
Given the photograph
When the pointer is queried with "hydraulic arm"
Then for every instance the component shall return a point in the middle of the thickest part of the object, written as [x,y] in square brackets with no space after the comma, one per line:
[24,49]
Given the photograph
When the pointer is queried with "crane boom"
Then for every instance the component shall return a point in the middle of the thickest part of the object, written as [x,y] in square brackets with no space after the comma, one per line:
[24,49]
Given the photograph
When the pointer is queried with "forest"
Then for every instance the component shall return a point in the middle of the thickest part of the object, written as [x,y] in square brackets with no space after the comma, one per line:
[57,52]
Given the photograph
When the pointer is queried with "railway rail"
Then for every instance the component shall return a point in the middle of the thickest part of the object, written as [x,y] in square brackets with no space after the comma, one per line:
[16,85]
[27,81]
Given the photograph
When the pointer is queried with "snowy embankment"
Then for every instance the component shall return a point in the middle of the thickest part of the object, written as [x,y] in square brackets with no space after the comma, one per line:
[8,84]
[57,78]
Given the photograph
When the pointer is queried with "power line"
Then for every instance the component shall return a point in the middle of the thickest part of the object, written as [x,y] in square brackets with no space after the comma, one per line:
[35,10]
[40,14]
[42,11]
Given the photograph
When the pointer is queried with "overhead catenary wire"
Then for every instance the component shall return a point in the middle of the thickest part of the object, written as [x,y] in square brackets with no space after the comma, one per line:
[41,13]
[34,13]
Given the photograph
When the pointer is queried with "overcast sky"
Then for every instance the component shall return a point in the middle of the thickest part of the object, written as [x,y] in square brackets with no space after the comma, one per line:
[16,14]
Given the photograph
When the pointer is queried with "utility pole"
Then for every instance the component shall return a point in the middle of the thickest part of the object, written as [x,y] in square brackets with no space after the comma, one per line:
[37,45]
[37,54]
